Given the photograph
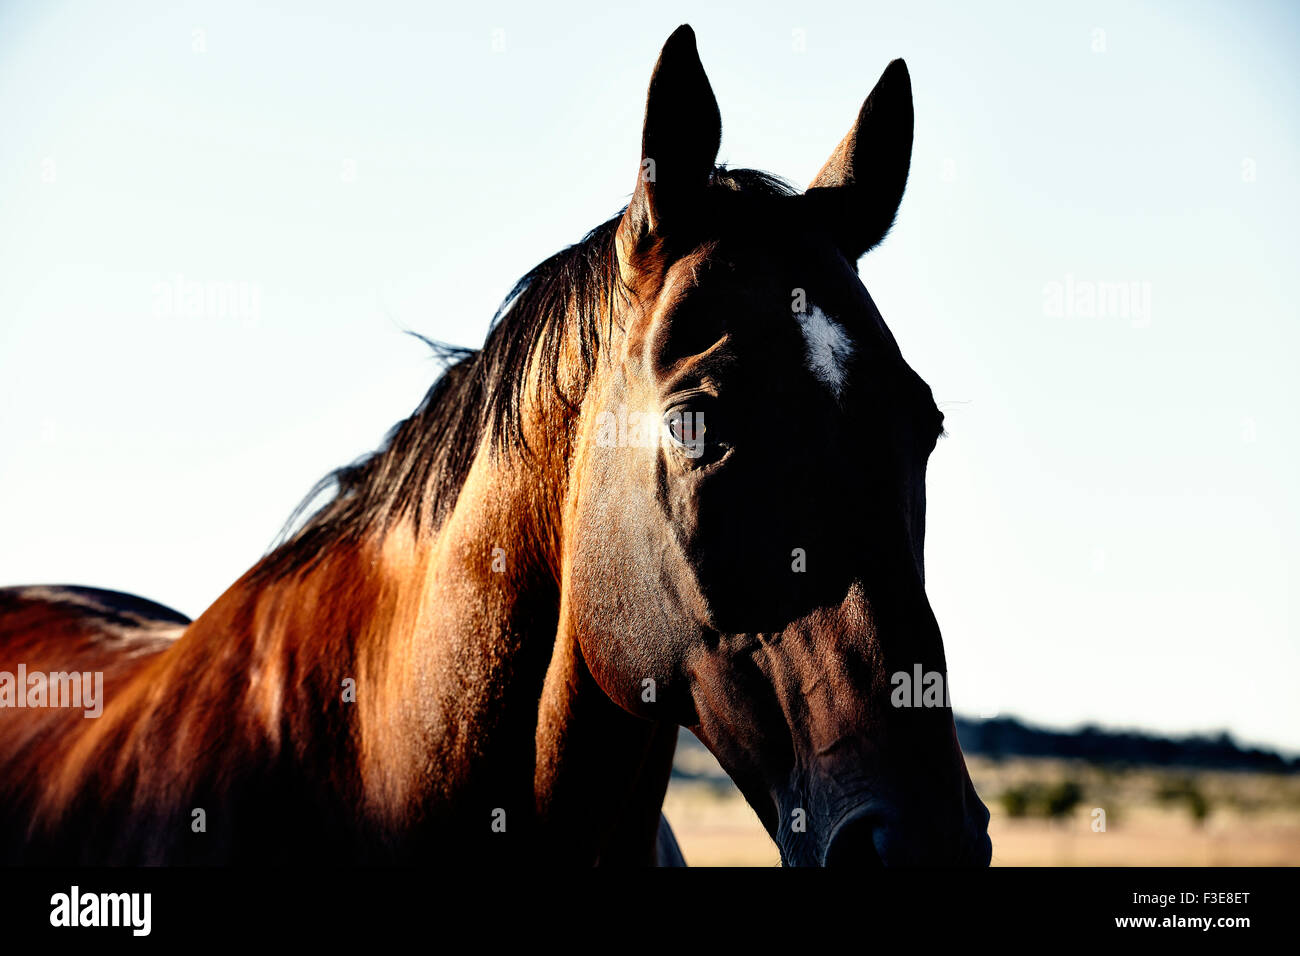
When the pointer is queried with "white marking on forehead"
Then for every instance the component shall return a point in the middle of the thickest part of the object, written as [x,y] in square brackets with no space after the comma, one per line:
[828,348]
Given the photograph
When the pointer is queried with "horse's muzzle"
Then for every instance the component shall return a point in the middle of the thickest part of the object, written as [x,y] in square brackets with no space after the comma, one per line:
[867,840]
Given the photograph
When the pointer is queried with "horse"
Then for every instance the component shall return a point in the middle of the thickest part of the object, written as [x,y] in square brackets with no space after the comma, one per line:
[681,484]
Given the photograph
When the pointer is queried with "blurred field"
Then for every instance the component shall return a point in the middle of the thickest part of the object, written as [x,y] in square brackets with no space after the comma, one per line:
[1043,815]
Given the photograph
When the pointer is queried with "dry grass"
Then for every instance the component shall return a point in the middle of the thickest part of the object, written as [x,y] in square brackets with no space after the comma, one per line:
[1154,816]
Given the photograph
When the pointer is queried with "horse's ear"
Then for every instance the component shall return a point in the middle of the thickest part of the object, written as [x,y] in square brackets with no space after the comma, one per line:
[857,192]
[679,141]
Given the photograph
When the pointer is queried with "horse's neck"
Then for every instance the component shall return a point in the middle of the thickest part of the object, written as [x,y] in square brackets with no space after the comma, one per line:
[470,697]
[589,777]
[601,773]
[430,647]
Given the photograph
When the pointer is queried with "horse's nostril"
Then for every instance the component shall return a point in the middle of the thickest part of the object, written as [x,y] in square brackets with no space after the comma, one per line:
[854,844]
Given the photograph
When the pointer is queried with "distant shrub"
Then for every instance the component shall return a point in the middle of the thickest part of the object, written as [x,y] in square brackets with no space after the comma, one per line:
[1061,798]
[1015,801]
[1185,791]
[1054,801]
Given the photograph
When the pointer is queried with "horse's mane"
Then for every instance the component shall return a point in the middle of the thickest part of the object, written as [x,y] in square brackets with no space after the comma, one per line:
[419,470]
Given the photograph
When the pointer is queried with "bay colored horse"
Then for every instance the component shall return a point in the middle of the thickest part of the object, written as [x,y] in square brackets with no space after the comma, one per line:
[681,484]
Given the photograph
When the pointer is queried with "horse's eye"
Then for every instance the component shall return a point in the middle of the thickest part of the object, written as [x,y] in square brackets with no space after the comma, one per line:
[692,438]
[685,427]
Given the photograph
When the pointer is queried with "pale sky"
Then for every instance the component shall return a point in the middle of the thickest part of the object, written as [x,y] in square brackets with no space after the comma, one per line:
[1113,520]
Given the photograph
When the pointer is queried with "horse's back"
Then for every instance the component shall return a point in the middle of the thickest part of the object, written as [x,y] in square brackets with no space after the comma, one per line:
[64,627]
[96,637]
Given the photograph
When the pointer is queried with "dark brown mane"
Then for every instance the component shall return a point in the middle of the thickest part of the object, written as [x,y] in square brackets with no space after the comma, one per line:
[422,464]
